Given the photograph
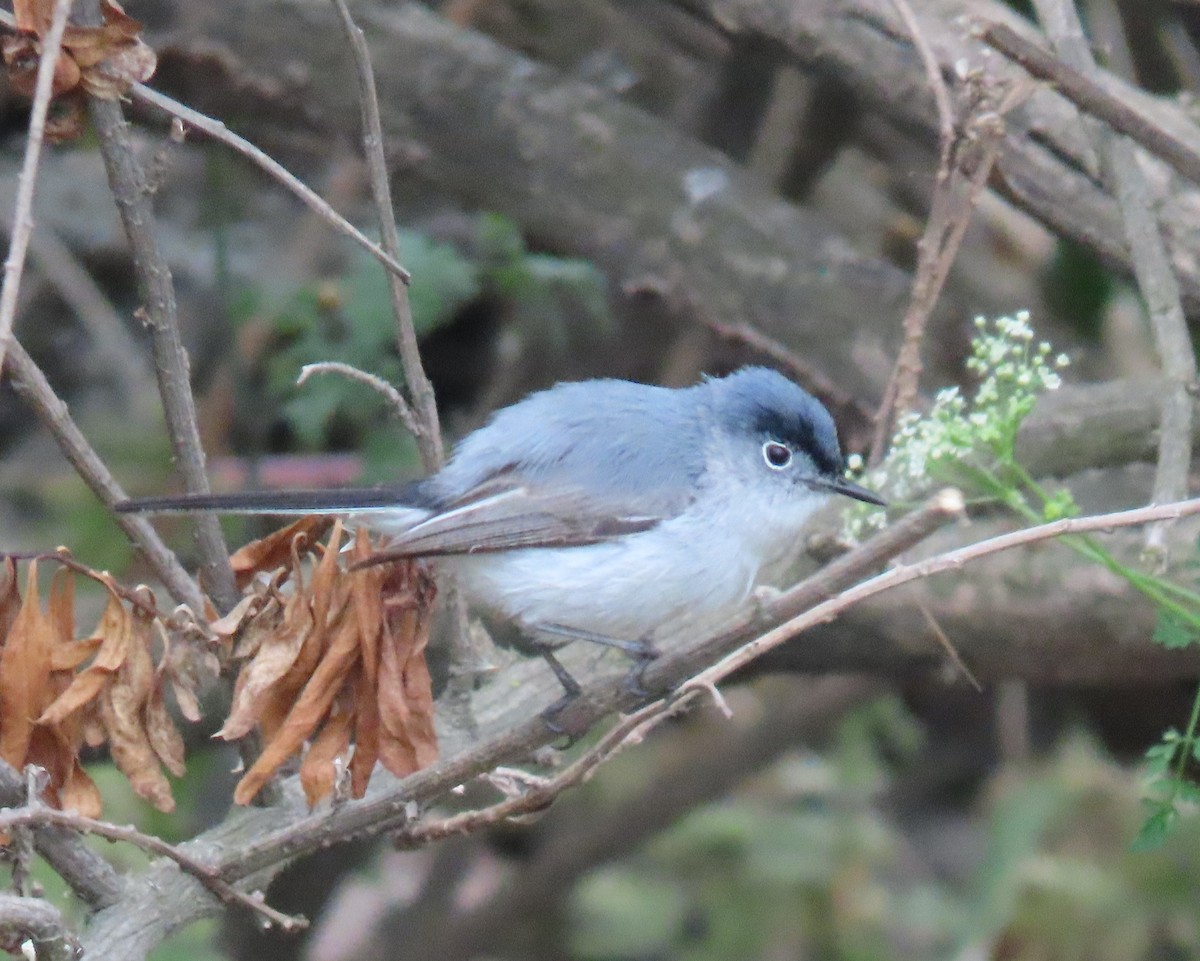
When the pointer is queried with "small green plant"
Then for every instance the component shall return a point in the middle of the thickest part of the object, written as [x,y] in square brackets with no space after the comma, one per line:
[349,319]
[971,442]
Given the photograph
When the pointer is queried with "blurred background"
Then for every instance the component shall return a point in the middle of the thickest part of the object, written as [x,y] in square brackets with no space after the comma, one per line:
[657,190]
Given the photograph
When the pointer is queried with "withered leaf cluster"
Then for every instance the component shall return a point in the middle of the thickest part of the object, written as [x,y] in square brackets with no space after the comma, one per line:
[102,61]
[330,666]
[59,693]
[332,662]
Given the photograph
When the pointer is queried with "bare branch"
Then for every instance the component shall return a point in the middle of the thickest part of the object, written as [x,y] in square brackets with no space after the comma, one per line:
[429,437]
[393,396]
[959,182]
[628,730]
[157,290]
[952,560]
[91,877]
[41,815]
[1090,96]
[22,218]
[222,134]
[41,924]
[1152,268]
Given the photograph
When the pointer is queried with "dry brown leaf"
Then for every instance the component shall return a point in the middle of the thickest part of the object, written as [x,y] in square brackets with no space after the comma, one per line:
[132,754]
[182,665]
[366,736]
[80,793]
[105,60]
[228,625]
[10,596]
[407,740]
[48,751]
[114,633]
[328,591]
[318,772]
[280,639]
[277,549]
[68,657]
[61,607]
[163,735]
[24,674]
[366,587]
[121,708]
[326,576]
[308,711]
[33,15]
[22,52]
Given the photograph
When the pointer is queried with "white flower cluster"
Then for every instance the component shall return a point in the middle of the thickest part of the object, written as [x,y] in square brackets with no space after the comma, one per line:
[1012,372]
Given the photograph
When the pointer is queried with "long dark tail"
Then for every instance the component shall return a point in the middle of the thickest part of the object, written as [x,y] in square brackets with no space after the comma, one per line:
[334,501]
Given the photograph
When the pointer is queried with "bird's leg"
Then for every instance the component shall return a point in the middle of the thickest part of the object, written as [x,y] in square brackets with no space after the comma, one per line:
[642,651]
[639,650]
[571,688]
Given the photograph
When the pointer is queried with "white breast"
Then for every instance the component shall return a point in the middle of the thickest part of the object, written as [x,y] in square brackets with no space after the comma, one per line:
[697,569]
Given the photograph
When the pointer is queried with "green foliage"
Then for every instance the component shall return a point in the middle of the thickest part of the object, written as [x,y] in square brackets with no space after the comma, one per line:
[972,443]
[197,942]
[553,294]
[805,862]
[350,320]
[1078,288]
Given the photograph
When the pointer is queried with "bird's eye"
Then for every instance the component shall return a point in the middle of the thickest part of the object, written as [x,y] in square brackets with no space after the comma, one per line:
[777,455]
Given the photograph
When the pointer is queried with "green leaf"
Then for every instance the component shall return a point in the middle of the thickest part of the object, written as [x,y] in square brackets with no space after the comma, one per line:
[1172,632]
[443,280]
[1155,828]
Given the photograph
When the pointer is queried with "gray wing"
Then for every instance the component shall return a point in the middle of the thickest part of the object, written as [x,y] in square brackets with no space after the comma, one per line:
[573,465]
[508,512]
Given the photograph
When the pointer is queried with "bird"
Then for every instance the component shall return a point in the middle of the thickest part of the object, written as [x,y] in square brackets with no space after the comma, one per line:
[602,510]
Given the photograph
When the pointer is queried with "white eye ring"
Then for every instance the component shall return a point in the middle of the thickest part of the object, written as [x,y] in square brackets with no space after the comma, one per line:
[777,456]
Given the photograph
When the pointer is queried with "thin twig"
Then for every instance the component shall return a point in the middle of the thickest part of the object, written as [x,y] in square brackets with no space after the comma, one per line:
[933,75]
[1152,268]
[127,181]
[1089,96]
[950,561]
[219,132]
[635,726]
[41,815]
[96,882]
[22,219]
[947,645]
[429,437]
[393,396]
[901,390]
[778,353]
[31,385]
[630,729]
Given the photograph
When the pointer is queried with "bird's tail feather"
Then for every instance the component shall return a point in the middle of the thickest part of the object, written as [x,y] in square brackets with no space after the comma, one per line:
[297,502]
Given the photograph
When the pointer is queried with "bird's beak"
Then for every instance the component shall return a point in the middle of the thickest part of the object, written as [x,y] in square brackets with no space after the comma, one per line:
[840,485]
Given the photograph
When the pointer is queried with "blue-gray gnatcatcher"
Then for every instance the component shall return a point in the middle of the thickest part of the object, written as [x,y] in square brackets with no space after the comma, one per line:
[604,509]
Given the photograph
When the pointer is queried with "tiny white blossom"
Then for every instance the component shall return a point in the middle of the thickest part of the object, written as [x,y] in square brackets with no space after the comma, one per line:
[1010,371]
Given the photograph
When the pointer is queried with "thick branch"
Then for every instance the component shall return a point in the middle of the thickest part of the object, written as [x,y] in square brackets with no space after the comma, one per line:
[580,170]
[92,878]
[1043,167]
[39,922]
